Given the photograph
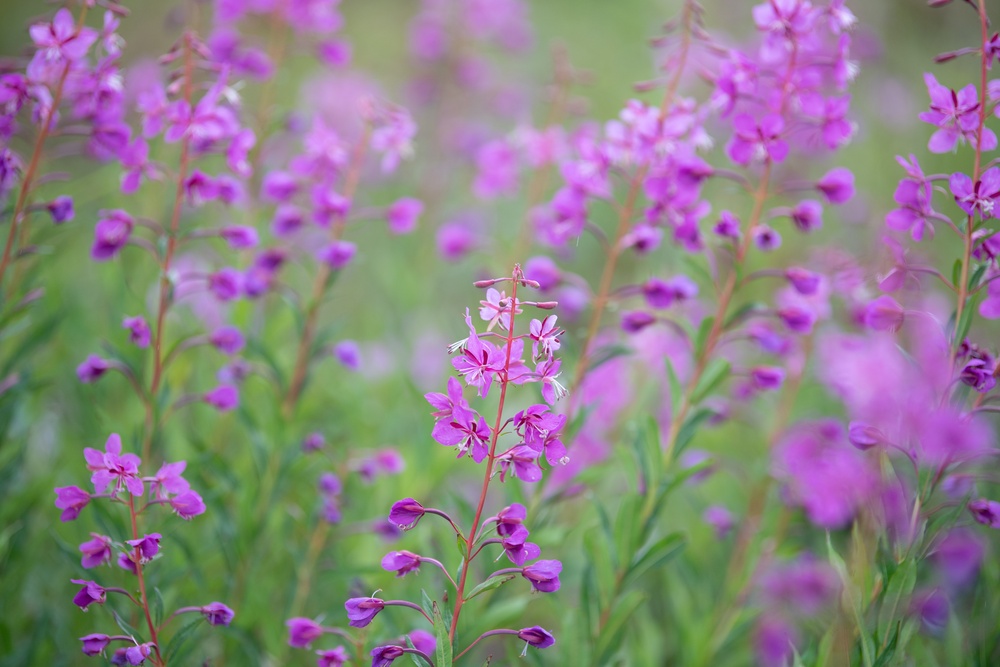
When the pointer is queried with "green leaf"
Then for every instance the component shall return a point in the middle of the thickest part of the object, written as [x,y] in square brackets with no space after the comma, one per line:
[742,312]
[687,431]
[717,371]
[897,591]
[655,555]
[179,639]
[867,645]
[443,650]
[956,273]
[610,637]
[885,658]
[490,584]
[598,549]
[157,606]
[609,535]
[701,337]
[675,387]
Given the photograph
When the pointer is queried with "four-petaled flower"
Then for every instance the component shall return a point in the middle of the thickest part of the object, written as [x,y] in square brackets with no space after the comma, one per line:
[361,611]
[113,466]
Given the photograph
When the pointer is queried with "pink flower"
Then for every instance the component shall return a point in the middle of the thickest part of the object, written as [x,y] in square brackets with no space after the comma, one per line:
[113,466]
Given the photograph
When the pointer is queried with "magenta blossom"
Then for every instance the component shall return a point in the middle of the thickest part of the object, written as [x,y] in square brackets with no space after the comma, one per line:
[94,644]
[71,500]
[187,505]
[956,114]
[223,398]
[543,575]
[401,562]
[406,513]
[403,214]
[111,466]
[217,613]
[303,631]
[757,141]
[361,611]
[96,551]
[111,234]
[148,546]
[89,594]
[138,331]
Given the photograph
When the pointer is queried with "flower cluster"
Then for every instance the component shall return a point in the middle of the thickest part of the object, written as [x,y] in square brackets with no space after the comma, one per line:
[483,365]
[116,477]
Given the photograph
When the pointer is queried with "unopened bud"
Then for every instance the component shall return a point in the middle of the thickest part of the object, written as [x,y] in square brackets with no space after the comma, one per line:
[546,305]
[490,282]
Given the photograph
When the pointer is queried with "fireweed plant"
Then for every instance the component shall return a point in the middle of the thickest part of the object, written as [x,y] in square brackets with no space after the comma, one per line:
[532,435]
[700,301]
[309,201]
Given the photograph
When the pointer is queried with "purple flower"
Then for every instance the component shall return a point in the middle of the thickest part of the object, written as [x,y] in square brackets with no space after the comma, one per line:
[932,608]
[95,644]
[337,255]
[138,331]
[544,271]
[467,429]
[523,459]
[635,321]
[402,215]
[278,187]
[361,611]
[382,656]
[187,505]
[60,39]
[96,551]
[148,546]
[89,594]
[136,655]
[774,640]
[767,378]
[766,238]
[479,362]
[837,185]
[111,234]
[239,236]
[510,519]
[288,219]
[303,631]
[986,512]
[804,282]
[796,319]
[336,657]
[71,500]
[348,354]
[719,518]
[401,562]
[755,141]
[883,314]
[228,340]
[728,226]
[518,550]
[455,240]
[543,575]
[807,215]
[113,466]
[958,556]
[225,284]
[199,188]
[168,480]
[406,513]
[329,484]
[217,613]
[864,436]
[536,636]
[956,114]
[313,442]
[423,641]
[980,197]
[61,209]
[828,478]
[92,369]
[914,195]
[223,398]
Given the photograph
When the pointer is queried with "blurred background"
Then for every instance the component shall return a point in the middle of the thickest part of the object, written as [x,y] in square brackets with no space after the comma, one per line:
[402,303]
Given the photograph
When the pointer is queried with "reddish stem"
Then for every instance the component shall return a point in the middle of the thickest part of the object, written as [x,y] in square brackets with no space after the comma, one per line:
[322,280]
[36,155]
[491,459]
[963,286]
[137,559]
[165,295]
[625,216]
